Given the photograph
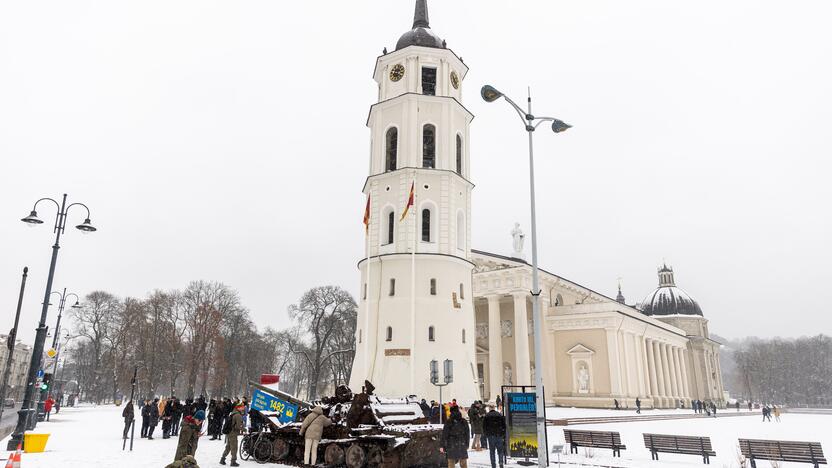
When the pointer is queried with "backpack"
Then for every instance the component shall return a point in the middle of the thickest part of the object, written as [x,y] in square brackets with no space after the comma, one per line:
[229,420]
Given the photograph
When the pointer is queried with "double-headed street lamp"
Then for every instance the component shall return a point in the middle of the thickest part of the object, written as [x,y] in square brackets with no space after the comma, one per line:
[40,337]
[44,392]
[530,122]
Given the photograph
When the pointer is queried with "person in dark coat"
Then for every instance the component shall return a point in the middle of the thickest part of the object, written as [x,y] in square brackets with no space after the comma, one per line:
[154,418]
[435,417]
[494,430]
[128,415]
[200,404]
[167,419]
[145,418]
[177,417]
[638,406]
[475,415]
[425,408]
[455,437]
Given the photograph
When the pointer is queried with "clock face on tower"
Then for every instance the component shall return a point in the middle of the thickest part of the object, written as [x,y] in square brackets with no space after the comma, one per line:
[454,80]
[397,72]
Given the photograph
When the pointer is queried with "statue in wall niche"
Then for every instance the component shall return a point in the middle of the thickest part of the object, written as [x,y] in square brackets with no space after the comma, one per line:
[482,331]
[518,238]
[508,377]
[583,378]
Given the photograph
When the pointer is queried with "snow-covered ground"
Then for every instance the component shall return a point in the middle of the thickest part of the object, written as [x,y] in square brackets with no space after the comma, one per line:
[90,436]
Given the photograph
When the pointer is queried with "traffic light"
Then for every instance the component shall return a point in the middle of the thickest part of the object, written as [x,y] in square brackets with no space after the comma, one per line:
[47,380]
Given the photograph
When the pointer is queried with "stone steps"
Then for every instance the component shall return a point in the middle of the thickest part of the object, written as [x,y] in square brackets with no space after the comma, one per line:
[642,417]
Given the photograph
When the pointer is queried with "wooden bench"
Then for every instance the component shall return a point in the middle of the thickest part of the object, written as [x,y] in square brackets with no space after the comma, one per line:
[782,450]
[687,445]
[594,439]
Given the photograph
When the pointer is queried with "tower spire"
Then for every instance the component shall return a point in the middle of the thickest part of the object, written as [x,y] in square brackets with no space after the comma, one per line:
[420,17]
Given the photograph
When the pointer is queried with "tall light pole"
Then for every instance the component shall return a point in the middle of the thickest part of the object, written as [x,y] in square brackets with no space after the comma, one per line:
[530,122]
[40,337]
[45,392]
[11,343]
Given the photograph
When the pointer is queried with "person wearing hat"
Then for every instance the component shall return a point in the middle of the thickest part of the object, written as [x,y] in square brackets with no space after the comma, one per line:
[455,437]
[312,430]
[189,435]
[232,429]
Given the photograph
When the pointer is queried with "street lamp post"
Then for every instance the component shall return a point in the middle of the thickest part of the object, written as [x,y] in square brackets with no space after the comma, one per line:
[40,337]
[12,339]
[530,122]
[56,345]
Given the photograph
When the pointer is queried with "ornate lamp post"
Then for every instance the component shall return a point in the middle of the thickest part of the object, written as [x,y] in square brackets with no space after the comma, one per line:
[40,337]
[530,122]
[56,345]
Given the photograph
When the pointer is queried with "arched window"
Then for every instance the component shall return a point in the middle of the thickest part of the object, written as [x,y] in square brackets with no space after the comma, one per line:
[426,225]
[391,223]
[463,335]
[431,334]
[558,300]
[461,292]
[460,231]
[459,154]
[389,336]
[392,149]
[433,286]
[429,146]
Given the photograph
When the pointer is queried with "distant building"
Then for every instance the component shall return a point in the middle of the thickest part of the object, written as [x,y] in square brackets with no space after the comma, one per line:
[20,366]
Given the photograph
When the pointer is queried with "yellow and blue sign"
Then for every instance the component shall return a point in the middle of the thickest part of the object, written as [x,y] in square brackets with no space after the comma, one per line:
[262,401]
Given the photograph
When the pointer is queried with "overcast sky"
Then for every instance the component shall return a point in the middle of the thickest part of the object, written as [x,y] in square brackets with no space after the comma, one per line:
[227,141]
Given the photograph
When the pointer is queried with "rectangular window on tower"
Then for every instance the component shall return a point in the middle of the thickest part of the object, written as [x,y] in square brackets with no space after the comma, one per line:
[392,286]
[429,81]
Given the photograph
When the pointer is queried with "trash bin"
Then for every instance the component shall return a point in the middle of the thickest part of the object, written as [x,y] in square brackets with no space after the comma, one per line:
[34,443]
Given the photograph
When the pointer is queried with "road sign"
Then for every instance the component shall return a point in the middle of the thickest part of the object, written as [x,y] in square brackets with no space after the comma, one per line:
[40,373]
[51,352]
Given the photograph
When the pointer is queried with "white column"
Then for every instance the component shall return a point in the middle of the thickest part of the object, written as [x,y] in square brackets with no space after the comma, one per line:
[624,364]
[677,371]
[674,382]
[683,357]
[495,348]
[648,391]
[657,371]
[612,355]
[639,357]
[665,369]
[651,370]
[521,340]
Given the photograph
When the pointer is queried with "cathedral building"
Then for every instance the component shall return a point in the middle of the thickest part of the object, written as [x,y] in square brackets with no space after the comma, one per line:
[426,296]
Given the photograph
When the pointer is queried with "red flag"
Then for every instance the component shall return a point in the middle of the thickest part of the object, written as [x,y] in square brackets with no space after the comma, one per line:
[367,216]
[409,201]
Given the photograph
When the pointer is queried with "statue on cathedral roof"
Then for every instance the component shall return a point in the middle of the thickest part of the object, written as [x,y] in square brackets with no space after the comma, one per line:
[518,239]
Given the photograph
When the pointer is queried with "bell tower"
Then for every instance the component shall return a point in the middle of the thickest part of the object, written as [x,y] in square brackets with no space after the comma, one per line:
[416,300]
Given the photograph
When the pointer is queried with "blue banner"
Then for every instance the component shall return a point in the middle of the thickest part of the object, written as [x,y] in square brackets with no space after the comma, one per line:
[262,401]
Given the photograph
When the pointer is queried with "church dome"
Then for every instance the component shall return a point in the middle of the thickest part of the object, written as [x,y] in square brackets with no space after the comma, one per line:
[667,299]
[421,34]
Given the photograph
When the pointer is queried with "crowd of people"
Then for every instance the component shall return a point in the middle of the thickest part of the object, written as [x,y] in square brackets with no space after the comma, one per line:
[225,417]
[708,407]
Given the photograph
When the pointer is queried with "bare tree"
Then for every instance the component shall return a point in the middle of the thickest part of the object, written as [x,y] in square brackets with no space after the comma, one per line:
[321,311]
[92,321]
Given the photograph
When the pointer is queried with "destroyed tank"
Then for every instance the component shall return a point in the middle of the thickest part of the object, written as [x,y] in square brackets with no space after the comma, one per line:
[367,431]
